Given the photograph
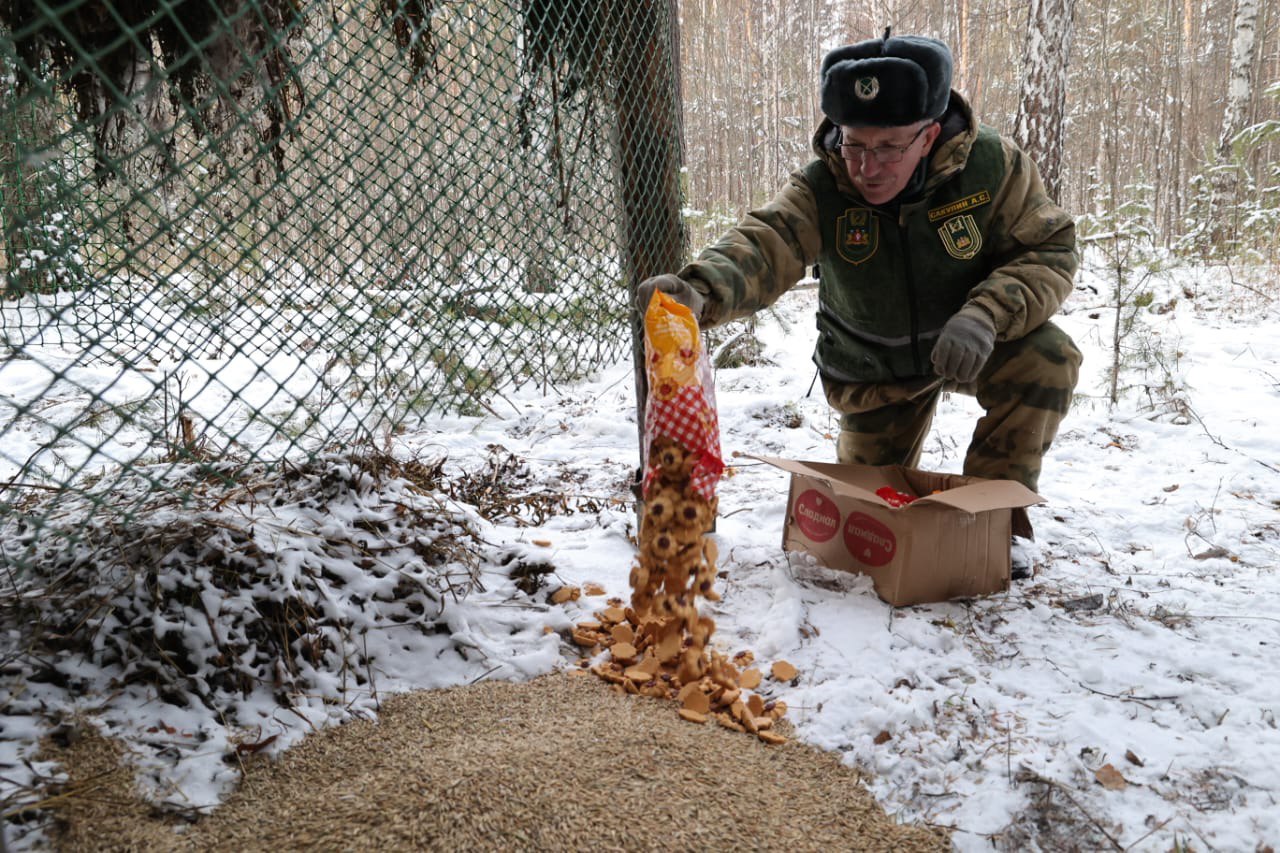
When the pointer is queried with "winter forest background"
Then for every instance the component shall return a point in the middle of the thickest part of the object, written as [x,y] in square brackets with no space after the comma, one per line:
[1159,120]
[1168,110]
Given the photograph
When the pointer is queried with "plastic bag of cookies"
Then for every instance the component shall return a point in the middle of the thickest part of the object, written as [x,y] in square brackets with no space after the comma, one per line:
[682,434]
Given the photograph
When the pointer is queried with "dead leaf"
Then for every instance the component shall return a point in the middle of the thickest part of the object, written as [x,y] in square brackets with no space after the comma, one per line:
[542,543]
[1132,758]
[1110,778]
[249,748]
[883,737]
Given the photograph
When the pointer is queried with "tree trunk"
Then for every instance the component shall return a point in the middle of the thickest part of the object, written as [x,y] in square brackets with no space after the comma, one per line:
[1226,177]
[30,194]
[1047,51]
[1240,78]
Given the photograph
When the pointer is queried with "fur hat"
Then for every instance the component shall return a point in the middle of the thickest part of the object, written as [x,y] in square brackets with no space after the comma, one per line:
[886,82]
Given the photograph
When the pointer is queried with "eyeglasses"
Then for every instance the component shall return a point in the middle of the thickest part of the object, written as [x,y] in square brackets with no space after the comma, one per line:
[882,153]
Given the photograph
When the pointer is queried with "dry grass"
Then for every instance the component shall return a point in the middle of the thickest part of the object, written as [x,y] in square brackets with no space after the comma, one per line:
[96,569]
[503,489]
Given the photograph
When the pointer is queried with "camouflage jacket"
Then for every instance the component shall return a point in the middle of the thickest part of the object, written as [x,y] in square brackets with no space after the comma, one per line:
[1027,258]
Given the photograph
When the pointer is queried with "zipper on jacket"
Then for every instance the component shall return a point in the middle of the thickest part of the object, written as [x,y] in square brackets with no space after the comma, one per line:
[912,306]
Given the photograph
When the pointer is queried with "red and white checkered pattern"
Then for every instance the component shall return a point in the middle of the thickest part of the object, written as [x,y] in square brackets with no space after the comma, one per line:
[689,417]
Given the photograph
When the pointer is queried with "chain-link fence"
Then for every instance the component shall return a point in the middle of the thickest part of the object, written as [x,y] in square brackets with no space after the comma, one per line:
[249,230]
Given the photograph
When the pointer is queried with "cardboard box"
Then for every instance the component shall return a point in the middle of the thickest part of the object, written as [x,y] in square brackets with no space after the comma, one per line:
[951,542]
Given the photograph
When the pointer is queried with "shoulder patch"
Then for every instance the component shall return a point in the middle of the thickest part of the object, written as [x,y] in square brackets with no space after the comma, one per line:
[976,200]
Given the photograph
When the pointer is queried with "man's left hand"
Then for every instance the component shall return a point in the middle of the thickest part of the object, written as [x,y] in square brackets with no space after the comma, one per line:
[964,345]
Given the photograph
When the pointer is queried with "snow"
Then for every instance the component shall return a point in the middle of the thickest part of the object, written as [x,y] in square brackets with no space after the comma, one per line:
[973,715]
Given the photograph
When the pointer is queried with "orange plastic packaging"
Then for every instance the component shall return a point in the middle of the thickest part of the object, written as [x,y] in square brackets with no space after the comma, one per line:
[681,406]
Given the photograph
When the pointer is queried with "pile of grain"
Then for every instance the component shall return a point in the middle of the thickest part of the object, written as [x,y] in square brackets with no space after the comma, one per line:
[555,763]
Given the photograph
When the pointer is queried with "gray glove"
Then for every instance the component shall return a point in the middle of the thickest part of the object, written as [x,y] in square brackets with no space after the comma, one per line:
[675,287]
[964,345]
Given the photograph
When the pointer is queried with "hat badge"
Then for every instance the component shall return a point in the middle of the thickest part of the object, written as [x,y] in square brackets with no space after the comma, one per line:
[866,88]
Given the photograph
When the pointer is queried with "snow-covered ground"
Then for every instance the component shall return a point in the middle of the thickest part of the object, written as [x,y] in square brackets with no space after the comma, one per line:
[1125,697]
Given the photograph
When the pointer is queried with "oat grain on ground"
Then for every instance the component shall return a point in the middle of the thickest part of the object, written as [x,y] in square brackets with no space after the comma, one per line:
[556,763]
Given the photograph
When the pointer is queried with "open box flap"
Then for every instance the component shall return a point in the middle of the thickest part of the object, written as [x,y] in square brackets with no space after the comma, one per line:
[861,481]
[984,496]
[835,475]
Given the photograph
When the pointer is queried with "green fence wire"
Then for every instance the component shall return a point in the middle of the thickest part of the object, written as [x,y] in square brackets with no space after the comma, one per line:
[250,230]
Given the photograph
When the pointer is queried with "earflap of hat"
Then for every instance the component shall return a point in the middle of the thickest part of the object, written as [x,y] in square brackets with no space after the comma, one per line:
[885,91]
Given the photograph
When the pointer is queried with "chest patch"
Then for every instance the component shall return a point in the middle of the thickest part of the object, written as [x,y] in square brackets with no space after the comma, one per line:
[857,234]
[961,237]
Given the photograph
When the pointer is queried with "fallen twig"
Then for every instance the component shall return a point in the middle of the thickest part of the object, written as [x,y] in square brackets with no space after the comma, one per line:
[1121,696]
[1028,775]
[1153,831]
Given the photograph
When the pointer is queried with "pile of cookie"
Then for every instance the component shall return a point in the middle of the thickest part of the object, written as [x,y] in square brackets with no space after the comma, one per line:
[659,645]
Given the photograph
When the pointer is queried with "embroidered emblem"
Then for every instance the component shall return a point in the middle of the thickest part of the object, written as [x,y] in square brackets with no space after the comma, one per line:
[961,237]
[866,88]
[976,200]
[857,234]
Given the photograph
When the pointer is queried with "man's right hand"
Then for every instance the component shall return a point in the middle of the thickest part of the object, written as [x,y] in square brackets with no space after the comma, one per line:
[675,287]
[964,345]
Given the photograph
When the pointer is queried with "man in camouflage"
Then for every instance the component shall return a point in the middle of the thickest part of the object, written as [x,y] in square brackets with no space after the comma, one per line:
[940,259]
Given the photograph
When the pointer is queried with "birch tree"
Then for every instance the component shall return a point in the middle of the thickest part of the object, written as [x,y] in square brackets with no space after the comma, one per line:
[1240,79]
[1045,56]
[1226,175]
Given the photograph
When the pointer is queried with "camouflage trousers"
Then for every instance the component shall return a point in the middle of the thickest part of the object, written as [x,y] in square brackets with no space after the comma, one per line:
[1025,388]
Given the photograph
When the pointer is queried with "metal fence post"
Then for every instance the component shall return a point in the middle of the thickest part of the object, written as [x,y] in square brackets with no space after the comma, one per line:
[649,160]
